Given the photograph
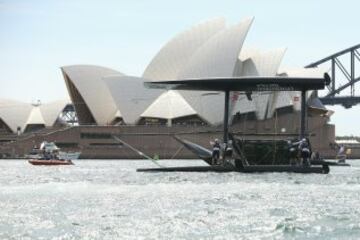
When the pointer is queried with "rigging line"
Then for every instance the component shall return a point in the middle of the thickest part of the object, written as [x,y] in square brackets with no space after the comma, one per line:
[275,128]
[176,153]
[136,150]
[244,125]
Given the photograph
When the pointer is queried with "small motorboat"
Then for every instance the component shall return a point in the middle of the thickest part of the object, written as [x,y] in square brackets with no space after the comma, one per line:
[48,154]
[50,162]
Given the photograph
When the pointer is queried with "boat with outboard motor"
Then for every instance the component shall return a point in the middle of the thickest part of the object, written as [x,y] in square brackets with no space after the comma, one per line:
[49,154]
[37,153]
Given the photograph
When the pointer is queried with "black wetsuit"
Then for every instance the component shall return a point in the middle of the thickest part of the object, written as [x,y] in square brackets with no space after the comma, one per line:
[305,152]
[216,151]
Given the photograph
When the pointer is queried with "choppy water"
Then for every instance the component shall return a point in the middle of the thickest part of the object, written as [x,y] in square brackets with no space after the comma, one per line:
[110,200]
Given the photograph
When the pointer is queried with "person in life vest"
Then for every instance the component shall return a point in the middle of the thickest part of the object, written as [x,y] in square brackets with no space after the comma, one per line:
[305,152]
[216,152]
[228,152]
[229,149]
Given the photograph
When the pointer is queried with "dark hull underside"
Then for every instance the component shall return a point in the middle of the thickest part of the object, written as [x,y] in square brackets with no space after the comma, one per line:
[50,162]
[247,169]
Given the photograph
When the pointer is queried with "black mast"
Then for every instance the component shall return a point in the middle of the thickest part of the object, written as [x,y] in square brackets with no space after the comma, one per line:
[226,116]
[303,114]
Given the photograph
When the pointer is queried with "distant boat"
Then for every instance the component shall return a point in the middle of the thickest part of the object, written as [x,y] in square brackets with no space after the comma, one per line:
[342,155]
[50,154]
[69,155]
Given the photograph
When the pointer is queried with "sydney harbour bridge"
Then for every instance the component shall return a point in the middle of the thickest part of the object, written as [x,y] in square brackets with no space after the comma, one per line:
[344,69]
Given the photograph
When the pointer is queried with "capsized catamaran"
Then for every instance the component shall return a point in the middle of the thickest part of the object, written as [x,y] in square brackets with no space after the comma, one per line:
[246,85]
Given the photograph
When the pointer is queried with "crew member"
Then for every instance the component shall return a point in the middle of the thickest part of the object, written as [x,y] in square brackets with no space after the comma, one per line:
[292,153]
[305,152]
[216,152]
[229,149]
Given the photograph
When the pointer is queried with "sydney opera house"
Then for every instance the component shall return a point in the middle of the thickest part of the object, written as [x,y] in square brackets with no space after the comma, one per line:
[108,101]
[19,117]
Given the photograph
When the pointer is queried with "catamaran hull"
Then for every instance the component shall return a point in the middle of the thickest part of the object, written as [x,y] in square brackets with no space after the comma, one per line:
[247,169]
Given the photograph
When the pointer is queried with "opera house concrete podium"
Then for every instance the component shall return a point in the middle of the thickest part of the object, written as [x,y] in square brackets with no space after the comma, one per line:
[110,102]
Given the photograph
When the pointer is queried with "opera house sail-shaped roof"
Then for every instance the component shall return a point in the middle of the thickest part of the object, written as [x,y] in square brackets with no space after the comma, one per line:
[50,111]
[170,105]
[217,57]
[175,55]
[14,114]
[89,93]
[253,62]
[130,96]
[19,116]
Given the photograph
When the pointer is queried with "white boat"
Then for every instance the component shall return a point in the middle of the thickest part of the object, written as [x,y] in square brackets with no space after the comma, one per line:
[49,150]
[69,155]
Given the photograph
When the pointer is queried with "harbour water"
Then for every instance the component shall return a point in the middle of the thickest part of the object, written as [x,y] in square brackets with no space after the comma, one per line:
[97,199]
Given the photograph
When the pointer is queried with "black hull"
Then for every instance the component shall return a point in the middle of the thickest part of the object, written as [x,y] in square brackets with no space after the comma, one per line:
[247,169]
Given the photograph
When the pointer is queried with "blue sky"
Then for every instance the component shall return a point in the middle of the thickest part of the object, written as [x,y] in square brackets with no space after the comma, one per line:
[39,36]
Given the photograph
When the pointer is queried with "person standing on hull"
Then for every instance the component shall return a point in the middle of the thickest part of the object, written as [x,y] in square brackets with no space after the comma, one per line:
[305,152]
[228,152]
[216,151]
[293,154]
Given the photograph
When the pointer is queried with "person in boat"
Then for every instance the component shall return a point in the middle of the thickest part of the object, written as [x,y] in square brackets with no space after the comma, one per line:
[47,155]
[341,154]
[216,151]
[305,152]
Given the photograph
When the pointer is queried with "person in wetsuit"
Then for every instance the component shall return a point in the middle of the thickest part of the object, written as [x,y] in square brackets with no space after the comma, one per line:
[228,153]
[293,153]
[228,149]
[216,152]
[305,152]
